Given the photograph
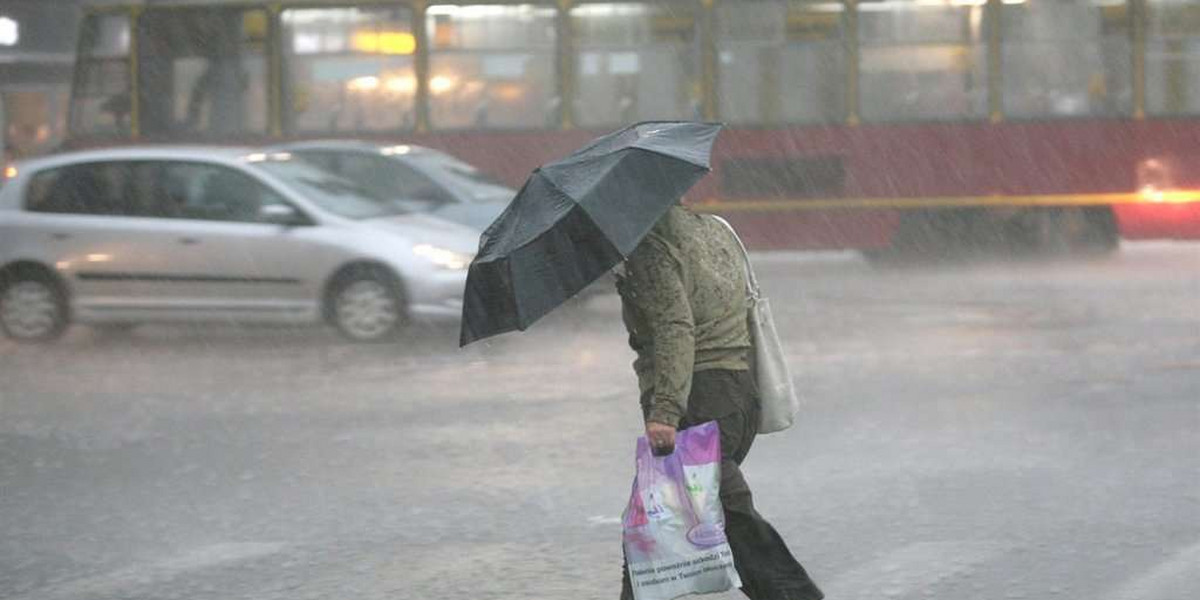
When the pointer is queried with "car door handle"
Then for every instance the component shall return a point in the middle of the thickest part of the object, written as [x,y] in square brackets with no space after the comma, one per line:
[60,236]
[189,241]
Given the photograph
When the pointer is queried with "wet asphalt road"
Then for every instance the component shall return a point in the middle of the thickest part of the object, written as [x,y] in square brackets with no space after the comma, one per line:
[992,431]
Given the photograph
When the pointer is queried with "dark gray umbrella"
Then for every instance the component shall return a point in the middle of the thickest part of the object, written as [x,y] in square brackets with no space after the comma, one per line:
[576,218]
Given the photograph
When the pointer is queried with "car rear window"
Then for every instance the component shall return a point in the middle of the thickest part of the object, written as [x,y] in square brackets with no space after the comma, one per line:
[88,189]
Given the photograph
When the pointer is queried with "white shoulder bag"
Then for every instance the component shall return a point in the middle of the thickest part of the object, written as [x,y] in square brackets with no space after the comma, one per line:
[777,391]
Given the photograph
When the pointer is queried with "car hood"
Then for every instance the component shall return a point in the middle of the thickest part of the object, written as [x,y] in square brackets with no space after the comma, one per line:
[425,229]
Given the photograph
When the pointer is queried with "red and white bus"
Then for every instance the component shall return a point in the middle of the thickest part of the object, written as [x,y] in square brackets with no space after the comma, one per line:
[881,125]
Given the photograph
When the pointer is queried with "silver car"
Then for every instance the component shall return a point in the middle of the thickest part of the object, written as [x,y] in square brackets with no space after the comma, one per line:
[118,237]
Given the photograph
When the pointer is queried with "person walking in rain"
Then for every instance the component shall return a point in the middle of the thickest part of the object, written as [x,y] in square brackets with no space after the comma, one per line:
[683,298]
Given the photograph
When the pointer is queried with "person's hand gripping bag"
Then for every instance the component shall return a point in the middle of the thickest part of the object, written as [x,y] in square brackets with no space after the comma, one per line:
[674,528]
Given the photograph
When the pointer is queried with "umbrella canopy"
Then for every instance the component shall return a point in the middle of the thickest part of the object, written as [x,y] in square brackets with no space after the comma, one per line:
[576,218]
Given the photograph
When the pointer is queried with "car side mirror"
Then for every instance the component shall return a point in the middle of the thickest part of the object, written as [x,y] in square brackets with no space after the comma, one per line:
[281,214]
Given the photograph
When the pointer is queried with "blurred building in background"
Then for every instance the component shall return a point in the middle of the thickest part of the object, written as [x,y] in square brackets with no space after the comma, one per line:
[862,124]
[869,124]
[37,46]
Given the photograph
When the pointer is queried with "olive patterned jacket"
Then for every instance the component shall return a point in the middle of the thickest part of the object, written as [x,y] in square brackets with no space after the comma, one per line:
[683,299]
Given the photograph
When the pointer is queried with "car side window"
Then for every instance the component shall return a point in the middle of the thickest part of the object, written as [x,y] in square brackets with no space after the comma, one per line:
[100,188]
[213,193]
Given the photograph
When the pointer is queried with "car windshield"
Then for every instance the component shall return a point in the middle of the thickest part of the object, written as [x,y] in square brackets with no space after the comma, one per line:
[466,179]
[332,193]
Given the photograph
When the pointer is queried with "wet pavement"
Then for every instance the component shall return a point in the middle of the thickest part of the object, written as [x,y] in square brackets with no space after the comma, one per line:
[984,431]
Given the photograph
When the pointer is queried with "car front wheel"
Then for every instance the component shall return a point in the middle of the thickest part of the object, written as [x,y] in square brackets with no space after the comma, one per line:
[367,306]
[32,308]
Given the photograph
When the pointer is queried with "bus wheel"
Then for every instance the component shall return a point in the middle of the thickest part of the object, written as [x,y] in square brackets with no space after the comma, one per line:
[1071,230]
[882,257]
[1099,234]
[925,237]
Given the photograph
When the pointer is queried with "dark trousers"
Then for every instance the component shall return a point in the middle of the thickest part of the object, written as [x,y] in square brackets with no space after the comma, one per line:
[762,559]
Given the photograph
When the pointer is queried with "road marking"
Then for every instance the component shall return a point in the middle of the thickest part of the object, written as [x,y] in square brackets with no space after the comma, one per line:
[1180,366]
[911,568]
[603,520]
[1173,579]
[155,573]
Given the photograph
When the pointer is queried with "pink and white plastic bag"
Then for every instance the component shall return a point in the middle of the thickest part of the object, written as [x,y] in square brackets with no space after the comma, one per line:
[674,528]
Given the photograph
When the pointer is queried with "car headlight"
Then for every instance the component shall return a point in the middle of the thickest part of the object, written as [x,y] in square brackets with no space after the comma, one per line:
[443,258]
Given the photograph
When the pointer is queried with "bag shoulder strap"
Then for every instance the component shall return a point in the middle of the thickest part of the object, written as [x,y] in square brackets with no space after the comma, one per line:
[751,280]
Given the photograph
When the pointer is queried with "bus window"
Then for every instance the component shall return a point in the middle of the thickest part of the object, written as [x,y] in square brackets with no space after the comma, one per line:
[491,66]
[636,61]
[781,62]
[922,61]
[100,103]
[349,69]
[1172,57]
[1069,58]
[202,72]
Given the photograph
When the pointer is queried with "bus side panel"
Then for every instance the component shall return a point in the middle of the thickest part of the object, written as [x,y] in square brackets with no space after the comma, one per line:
[1159,221]
[823,229]
[1168,161]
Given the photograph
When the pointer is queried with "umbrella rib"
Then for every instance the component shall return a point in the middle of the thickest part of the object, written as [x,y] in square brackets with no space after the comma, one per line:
[581,208]
[521,317]
[704,166]
[517,305]
[575,160]
[564,194]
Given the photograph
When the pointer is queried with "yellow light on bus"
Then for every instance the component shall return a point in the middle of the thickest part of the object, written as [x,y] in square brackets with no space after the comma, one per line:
[1150,193]
[368,83]
[401,85]
[510,92]
[439,84]
[1156,195]
[385,42]
[10,172]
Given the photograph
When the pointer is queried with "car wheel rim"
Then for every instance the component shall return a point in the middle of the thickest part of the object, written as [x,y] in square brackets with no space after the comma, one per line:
[29,309]
[367,310]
